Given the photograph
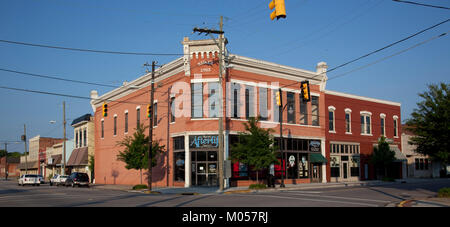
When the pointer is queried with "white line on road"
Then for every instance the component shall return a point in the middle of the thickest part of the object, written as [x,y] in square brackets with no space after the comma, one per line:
[339,197]
[315,200]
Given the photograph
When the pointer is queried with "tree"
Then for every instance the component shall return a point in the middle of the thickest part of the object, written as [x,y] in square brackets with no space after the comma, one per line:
[430,123]
[382,155]
[135,153]
[255,147]
[10,154]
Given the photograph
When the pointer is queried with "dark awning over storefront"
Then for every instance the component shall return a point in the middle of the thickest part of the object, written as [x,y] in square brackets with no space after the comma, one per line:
[79,157]
[318,158]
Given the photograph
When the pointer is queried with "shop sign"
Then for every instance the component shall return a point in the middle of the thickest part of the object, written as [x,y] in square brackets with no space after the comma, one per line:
[335,161]
[314,145]
[205,141]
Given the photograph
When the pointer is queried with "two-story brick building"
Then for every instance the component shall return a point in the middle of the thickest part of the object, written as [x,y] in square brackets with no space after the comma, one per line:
[186,110]
[354,126]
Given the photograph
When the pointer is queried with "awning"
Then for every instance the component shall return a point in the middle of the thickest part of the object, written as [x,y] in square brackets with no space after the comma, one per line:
[398,154]
[31,165]
[79,157]
[317,158]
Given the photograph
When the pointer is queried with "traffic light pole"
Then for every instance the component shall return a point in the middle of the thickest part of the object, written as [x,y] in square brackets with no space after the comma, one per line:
[63,171]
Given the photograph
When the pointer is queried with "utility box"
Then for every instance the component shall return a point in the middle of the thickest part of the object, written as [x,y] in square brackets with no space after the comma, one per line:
[227,169]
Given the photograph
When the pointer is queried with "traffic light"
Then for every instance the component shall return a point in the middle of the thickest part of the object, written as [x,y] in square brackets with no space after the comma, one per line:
[280,9]
[304,88]
[278,97]
[149,111]
[105,110]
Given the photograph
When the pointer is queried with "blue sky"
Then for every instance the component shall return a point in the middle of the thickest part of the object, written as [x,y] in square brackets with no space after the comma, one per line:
[314,30]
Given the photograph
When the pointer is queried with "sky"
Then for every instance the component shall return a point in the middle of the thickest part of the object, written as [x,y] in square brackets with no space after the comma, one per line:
[314,31]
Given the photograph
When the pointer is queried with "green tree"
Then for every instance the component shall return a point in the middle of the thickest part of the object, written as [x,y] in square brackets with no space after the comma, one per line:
[135,153]
[255,147]
[382,155]
[430,122]
[10,154]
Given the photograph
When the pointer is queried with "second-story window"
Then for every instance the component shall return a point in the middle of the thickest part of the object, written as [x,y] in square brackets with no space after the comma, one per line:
[263,103]
[315,110]
[172,109]
[138,117]
[126,122]
[155,114]
[213,99]
[290,107]
[303,112]
[365,124]
[383,124]
[115,125]
[196,100]
[249,102]
[395,126]
[103,128]
[331,119]
[84,137]
[348,120]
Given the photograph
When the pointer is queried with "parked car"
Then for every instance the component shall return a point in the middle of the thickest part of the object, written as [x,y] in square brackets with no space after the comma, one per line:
[59,180]
[32,179]
[53,180]
[41,179]
[77,178]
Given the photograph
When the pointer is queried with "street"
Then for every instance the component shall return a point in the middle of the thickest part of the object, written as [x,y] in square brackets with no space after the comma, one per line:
[12,195]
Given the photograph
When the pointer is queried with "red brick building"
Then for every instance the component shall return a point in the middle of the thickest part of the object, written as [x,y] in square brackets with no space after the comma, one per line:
[186,114]
[354,125]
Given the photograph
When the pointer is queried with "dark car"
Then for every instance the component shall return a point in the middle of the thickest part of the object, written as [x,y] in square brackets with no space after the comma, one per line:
[76,178]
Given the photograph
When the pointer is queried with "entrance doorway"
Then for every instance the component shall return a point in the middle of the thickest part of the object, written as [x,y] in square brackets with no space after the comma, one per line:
[316,174]
[204,168]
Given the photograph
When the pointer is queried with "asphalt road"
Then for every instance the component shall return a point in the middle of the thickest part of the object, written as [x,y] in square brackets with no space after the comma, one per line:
[12,195]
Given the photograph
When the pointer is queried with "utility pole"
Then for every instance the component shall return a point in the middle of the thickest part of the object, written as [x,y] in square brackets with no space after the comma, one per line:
[6,161]
[221,144]
[150,135]
[63,171]
[169,116]
[24,138]
[221,58]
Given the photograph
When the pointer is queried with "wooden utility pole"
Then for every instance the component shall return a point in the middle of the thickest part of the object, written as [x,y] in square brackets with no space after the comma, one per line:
[63,171]
[169,116]
[221,142]
[150,136]
[24,138]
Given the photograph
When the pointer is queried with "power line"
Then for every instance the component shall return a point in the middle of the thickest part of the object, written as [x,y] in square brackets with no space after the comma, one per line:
[56,78]
[385,58]
[89,50]
[390,45]
[421,4]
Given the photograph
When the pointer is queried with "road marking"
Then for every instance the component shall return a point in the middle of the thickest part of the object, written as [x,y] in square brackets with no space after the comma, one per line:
[339,197]
[315,200]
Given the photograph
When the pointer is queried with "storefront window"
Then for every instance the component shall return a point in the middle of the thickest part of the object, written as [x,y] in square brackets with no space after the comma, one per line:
[179,166]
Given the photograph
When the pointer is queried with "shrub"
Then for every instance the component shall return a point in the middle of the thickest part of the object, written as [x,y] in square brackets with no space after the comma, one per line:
[444,193]
[140,186]
[257,186]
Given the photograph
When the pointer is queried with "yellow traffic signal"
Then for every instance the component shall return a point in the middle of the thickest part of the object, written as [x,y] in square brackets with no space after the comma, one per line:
[280,9]
[105,110]
[277,95]
[304,87]
[149,111]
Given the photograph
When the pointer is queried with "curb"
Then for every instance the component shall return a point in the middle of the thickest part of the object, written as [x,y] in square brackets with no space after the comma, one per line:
[402,203]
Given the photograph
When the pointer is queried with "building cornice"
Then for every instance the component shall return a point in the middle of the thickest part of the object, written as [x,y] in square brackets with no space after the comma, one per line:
[170,69]
[328,92]
[272,69]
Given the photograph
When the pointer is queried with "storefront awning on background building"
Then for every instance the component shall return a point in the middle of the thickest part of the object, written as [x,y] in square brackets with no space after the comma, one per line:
[398,154]
[318,158]
[31,165]
[79,157]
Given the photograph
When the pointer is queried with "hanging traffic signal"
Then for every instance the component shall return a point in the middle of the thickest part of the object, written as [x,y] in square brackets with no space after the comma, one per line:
[280,9]
[278,97]
[149,111]
[105,110]
[304,88]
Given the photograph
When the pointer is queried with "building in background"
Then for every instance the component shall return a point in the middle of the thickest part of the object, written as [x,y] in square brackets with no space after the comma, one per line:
[55,157]
[9,165]
[84,146]
[419,165]
[37,157]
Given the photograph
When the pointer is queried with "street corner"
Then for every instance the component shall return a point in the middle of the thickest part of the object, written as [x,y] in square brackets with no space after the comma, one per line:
[406,203]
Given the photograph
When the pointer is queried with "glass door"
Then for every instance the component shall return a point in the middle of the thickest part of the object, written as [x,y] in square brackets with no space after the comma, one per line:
[204,166]
[345,170]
